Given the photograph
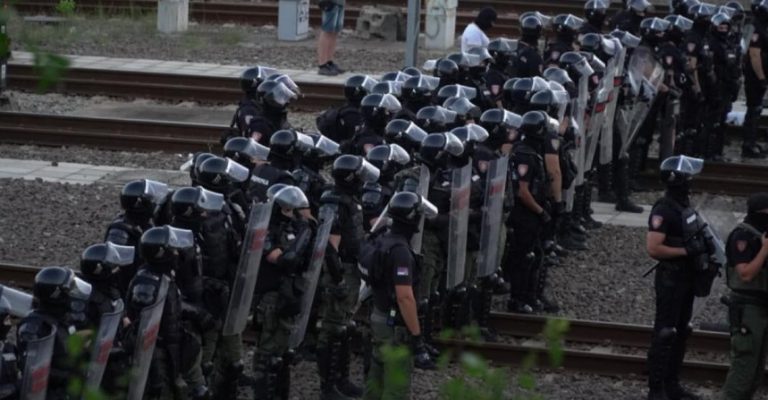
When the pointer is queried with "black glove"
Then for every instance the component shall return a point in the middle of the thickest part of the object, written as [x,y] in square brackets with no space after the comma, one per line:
[544,217]
[421,357]
[695,247]
[333,264]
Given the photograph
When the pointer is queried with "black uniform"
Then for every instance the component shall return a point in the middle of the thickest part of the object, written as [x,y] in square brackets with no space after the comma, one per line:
[529,61]
[268,174]
[494,81]
[754,89]
[628,21]
[553,52]
[366,138]
[726,55]
[701,119]
[252,118]
[127,231]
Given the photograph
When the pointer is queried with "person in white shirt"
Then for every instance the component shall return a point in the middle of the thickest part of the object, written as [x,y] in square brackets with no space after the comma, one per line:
[474,34]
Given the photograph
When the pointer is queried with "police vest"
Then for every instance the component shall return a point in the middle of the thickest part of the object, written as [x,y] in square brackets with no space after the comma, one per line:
[538,184]
[214,243]
[757,286]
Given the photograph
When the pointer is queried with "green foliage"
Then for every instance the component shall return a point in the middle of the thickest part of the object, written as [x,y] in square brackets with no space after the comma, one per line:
[66,7]
[554,332]
[49,67]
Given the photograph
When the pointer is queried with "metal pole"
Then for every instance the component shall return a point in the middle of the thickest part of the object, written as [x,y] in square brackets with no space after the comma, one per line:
[412,34]
[5,45]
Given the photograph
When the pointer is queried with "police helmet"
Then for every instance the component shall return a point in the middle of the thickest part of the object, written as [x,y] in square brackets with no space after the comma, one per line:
[378,109]
[760,9]
[252,77]
[245,151]
[353,171]
[439,149]
[576,64]
[567,24]
[591,42]
[395,88]
[738,14]
[219,174]
[639,7]
[99,262]
[141,198]
[546,101]
[419,89]
[57,286]
[412,71]
[395,76]
[701,13]
[197,161]
[653,29]
[499,123]
[190,203]
[679,26]
[681,7]
[595,11]
[516,94]
[291,197]
[435,118]
[680,170]
[461,60]
[720,19]
[405,133]
[465,110]
[447,70]
[534,126]
[531,27]
[358,86]
[388,158]
[502,50]
[160,246]
[286,144]
[407,208]
[276,94]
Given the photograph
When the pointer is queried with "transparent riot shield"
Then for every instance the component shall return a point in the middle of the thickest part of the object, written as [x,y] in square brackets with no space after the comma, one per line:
[606,134]
[312,274]
[15,302]
[423,189]
[493,209]
[146,339]
[598,115]
[248,270]
[37,366]
[580,111]
[458,224]
[645,75]
[746,37]
[719,219]
[102,345]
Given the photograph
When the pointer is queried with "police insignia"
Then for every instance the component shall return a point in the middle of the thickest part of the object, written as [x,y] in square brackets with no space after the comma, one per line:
[656,221]
[755,37]
[402,271]
[741,245]
[555,144]
[522,169]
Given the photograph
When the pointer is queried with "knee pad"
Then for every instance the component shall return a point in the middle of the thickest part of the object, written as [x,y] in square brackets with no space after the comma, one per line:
[666,335]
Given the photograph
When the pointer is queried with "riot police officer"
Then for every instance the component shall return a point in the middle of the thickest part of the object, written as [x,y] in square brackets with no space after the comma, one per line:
[700,59]
[284,259]
[629,20]
[529,59]
[275,96]
[341,123]
[250,105]
[417,92]
[341,279]
[394,317]
[594,13]
[725,55]
[675,240]
[140,201]
[377,111]
[60,300]
[566,27]
[528,214]
[747,252]
[230,179]
[755,79]
[503,52]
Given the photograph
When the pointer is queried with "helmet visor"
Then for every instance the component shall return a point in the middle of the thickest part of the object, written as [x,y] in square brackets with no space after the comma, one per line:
[429,65]
[236,172]
[429,83]
[120,255]
[368,172]
[15,302]
[291,197]
[477,56]
[457,91]
[546,20]
[79,289]
[398,76]
[583,68]
[453,144]
[304,143]
[414,133]
[287,81]
[398,155]
[462,106]
[428,209]
[390,103]
[210,201]
[281,94]
[180,238]
[512,120]
[573,22]
[326,147]
[683,164]
[157,191]
[476,133]
[256,150]
[388,87]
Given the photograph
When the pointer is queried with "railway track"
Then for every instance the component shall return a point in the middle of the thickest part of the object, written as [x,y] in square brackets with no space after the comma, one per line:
[597,360]
[150,135]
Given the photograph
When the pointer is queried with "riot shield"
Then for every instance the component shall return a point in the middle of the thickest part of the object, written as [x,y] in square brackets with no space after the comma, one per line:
[645,75]
[37,365]
[146,339]
[599,108]
[580,111]
[102,345]
[719,219]
[15,302]
[606,134]
[458,224]
[746,37]
[312,274]
[423,189]
[247,270]
[493,209]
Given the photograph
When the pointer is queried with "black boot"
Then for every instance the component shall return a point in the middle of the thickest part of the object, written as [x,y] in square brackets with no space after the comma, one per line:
[284,377]
[622,190]
[568,238]
[266,370]
[328,361]
[604,188]
[659,355]
[343,384]
[543,304]
[483,301]
[589,222]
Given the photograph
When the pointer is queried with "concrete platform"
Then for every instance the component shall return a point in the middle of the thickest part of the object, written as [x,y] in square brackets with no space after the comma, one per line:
[155,112]
[86,174]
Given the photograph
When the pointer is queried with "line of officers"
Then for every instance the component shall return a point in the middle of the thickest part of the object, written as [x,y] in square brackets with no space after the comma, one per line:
[329,209]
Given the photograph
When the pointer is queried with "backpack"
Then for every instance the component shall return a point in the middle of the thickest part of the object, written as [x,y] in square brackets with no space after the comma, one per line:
[374,251]
[330,122]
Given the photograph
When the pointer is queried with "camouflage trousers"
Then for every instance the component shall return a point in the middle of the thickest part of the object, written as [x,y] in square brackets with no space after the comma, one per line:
[389,378]
[338,303]
[432,266]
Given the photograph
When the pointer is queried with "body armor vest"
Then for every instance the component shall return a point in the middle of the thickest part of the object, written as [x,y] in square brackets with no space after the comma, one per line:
[758,286]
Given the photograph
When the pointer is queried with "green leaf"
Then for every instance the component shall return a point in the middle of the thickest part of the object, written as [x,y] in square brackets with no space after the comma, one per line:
[50,68]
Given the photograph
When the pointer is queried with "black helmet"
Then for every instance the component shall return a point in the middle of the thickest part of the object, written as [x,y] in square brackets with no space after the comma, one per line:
[252,77]
[395,88]
[701,14]
[721,19]
[287,145]
[353,171]
[412,71]
[517,93]
[500,124]
[465,110]
[245,151]
[678,27]
[680,170]
[357,87]
[760,9]
[276,94]
[407,208]
[435,118]
[58,286]
[395,76]
[191,203]
[469,135]
[534,126]
[567,24]
[221,174]
[448,71]
[502,50]
[652,30]
[99,262]
[639,7]
[389,159]
[455,90]
[546,101]
[594,12]
[681,7]
[531,27]
[419,89]
[738,14]
[378,109]
[160,246]
[141,198]
[576,65]
[405,133]
[439,149]
[591,42]
[197,161]
[290,197]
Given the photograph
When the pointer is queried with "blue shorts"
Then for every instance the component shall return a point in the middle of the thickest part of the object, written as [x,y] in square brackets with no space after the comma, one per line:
[333,19]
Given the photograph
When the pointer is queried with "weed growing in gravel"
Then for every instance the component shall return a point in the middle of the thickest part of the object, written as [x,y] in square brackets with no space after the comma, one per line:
[66,8]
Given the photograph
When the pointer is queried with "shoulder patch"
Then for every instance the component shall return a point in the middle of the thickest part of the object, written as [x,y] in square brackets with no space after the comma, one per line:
[656,221]
[522,169]
[403,271]
[741,245]
[555,144]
